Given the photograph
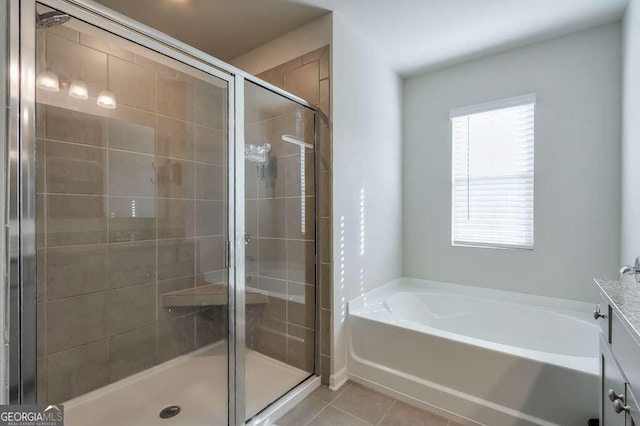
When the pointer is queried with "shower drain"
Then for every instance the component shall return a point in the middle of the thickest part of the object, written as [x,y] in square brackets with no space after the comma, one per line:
[170,411]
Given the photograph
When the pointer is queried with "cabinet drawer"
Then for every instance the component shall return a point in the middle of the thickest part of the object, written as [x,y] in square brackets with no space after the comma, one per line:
[626,351]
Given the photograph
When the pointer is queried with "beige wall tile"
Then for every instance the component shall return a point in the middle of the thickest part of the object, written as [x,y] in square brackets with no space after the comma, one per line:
[272,258]
[325,95]
[131,308]
[77,371]
[211,326]
[132,84]
[211,146]
[41,374]
[176,178]
[209,254]
[324,151]
[76,219]
[271,340]
[176,218]
[132,263]
[304,82]
[77,127]
[301,313]
[76,270]
[132,352]
[301,226]
[301,261]
[211,105]
[41,160]
[104,44]
[176,258]
[134,130]
[210,182]
[324,64]
[64,32]
[312,56]
[176,95]
[272,219]
[210,218]
[131,174]
[175,138]
[41,329]
[295,187]
[71,60]
[325,285]
[175,337]
[131,219]
[274,182]
[41,221]
[324,190]
[300,347]
[325,332]
[76,169]
[168,286]
[325,240]
[76,321]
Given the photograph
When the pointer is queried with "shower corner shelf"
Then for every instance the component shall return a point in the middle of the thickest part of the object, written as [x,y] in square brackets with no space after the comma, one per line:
[207,295]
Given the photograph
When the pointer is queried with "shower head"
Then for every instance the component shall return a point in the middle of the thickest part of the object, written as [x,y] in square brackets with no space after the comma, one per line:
[51,19]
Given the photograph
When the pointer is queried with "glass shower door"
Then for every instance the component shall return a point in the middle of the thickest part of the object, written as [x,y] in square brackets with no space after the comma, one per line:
[132,224]
[280,234]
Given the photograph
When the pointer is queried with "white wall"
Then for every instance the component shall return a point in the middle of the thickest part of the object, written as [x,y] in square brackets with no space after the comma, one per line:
[631,135]
[309,37]
[577,81]
[366,96]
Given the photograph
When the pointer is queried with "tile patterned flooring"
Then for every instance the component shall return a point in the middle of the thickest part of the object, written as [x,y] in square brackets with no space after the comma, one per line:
[355,405]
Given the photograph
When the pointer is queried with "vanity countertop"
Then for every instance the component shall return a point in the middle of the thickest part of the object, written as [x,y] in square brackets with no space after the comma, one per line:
[624,297]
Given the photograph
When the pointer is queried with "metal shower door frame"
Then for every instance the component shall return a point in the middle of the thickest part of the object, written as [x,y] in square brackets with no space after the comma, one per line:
[20,283]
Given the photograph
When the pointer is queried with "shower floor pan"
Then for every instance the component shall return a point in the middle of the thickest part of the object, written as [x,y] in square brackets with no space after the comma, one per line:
[196,382]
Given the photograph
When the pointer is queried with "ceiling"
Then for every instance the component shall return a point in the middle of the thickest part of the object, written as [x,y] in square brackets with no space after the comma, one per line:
[417,35]
[412,35]
[224,28]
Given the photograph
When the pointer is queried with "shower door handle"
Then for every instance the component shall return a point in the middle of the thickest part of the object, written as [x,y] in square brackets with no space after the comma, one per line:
[247,239]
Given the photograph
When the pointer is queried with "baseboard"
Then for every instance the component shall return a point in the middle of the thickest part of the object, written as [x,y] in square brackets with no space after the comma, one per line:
[338,379]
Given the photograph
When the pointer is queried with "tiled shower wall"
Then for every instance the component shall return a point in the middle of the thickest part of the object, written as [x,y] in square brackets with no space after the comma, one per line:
[308,76]
[130,205]
[280,222]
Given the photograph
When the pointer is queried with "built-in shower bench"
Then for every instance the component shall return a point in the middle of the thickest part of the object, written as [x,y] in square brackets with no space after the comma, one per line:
[208,295]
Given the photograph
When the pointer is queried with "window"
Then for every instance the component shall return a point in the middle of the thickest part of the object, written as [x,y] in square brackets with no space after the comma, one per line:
[492,174]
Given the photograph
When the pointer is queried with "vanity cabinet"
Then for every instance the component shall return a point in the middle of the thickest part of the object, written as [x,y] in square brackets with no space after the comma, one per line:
[614,387]
[619,359]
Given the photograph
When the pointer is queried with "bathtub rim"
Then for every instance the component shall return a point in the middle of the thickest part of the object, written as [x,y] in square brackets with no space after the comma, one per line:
[574,309]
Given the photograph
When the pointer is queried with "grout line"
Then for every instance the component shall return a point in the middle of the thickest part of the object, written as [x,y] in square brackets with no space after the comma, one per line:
[387,412]
[351,415]
[318,413]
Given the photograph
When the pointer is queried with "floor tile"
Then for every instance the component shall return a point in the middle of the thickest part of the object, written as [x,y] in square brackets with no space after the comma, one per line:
[326,394]
[331,416]
[363,403]
[303,412]
[402,414]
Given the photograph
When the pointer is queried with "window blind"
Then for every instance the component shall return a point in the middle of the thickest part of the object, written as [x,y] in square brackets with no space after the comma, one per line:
[492,174]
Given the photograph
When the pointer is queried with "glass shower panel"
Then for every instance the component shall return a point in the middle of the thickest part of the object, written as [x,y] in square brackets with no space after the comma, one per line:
[131,203]
[280,246]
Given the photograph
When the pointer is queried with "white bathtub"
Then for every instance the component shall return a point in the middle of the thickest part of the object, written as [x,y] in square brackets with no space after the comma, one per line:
[481,356]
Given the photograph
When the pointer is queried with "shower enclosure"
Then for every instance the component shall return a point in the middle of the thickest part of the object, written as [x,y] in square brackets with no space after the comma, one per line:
[162,226]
